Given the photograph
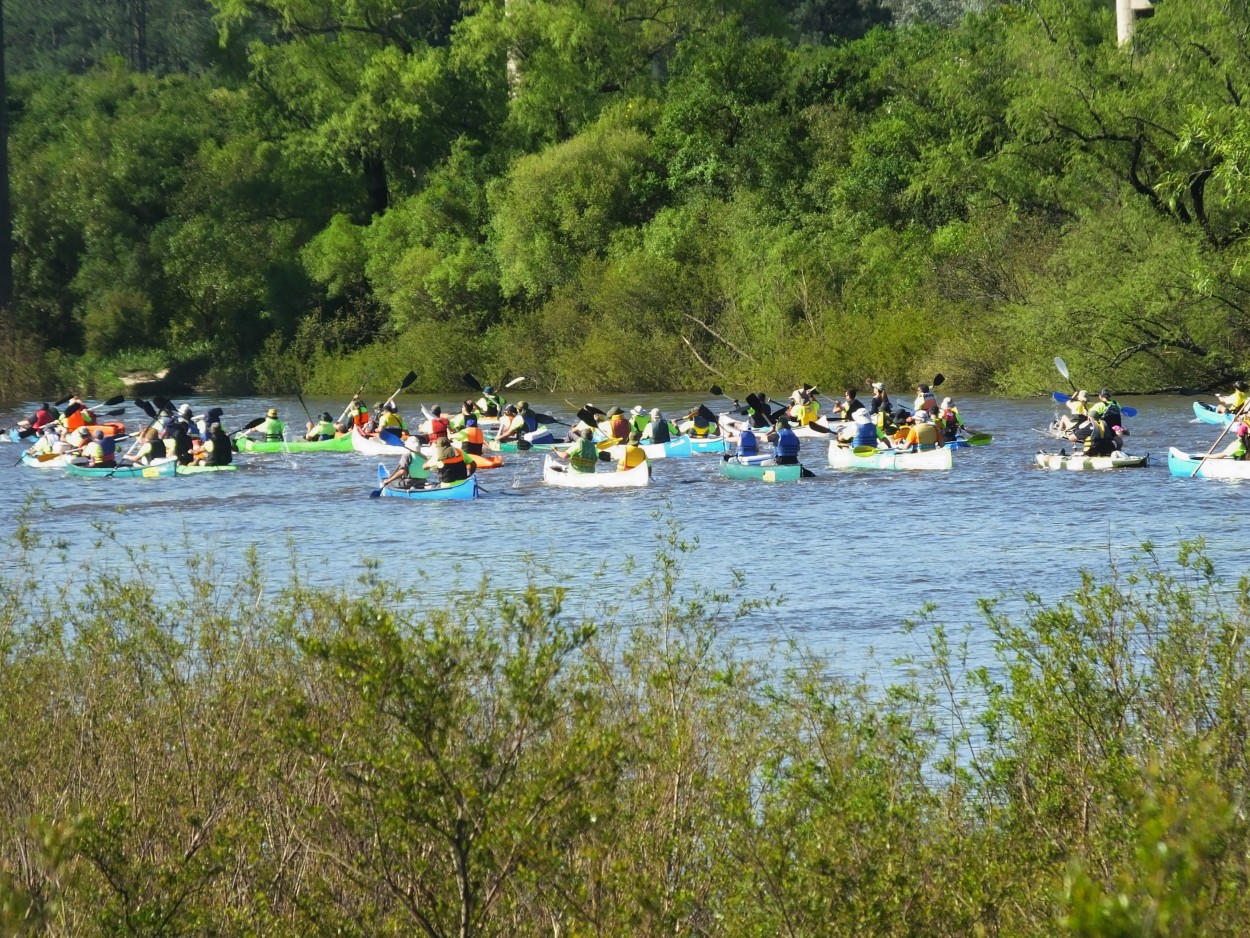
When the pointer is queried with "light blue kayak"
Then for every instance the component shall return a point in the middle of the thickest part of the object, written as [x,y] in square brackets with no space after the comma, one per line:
[466,488]
[1207,414]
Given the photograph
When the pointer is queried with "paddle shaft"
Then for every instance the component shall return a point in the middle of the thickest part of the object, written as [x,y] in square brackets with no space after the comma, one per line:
[1240,411]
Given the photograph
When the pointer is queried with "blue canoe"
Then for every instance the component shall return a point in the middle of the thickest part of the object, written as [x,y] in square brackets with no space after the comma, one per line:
[1207,414]
[466,488]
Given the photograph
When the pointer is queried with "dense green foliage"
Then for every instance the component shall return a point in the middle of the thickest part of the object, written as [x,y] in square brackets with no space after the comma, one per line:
[249,760]
[622,195]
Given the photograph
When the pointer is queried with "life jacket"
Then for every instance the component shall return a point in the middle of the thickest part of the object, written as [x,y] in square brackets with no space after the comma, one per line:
[700,428]
[153,449]
[634,455]
[531,422]
[219,450]
[473,440]
[865,435]
[437,428]
[182,444]
[618,428]
[453,468]
[748,444]
[490,406]
[361,420]
[79,418]
[273,429]
[41,419]
[1100,441]
[926,435]
[948,420]
[390,421]
[660,432]
[787,445]
[805,413]
[583,456]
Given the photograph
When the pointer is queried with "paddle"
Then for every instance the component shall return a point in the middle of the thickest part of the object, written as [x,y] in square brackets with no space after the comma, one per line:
[355,397]
[408,379]
[979,439]
[1227,427]
[1061,398]
[866,450]
[299,397]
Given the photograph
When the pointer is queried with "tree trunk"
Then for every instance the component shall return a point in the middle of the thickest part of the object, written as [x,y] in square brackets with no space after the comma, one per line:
[6,219]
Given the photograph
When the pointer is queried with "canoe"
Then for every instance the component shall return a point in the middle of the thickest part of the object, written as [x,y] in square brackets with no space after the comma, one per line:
[373,445]
[1079,462]
[730,468]
[195,469]
[464,489]
[1207,414]
[841,457]
[1182,465]
[556,474]
[59,462]
[158,469]
[509,446]
[340,444]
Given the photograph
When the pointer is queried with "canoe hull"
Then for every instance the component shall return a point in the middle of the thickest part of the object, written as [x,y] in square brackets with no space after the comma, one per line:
[762,472]
[453,491]
[840,457]
[1206,413]
[563,477]
[1081,463]
[1183,465]
[194,469]
[161,468]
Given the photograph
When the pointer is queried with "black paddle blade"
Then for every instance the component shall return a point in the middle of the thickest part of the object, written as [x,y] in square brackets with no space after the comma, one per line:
[250,425]
[937,379]
[114,401]
[72,409]
[716,391]
[408,379]
[145,407]
[60,401]
[471,382]
[115,412]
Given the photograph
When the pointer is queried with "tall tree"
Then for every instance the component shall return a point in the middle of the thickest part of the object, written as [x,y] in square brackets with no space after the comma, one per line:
[6,220]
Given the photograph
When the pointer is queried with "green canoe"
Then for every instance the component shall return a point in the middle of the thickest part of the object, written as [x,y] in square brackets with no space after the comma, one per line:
[340,444]
[162,467]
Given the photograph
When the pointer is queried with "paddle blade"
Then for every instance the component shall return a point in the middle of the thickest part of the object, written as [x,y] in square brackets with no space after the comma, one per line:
[376,493]
[937,379]
[61,400]
[390,437]
[514,382]
[252,425]
[471,382]
[1061,398]
[1129,411]
[115,412]
[1062,366]
[408,379]
[980,439]
[145,407]
[716,391]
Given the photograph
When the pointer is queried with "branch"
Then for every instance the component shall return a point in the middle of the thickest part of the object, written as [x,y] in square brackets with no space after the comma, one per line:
[699,357]
[716,335]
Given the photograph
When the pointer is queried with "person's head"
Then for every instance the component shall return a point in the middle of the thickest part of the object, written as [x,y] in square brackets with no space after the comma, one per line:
[523,407]
[655,414]
[861,416]
[470,420]
[1239,385]
[99,435]
[920,416]
[47,407]
[635,437]
[615,412]
[922,388]
[850,394]
[878,387]
[510,409]
[325,416]
[185,411]
[488,390]
[150,433]
[635,411]
[1104,395]
[947,403]
[1081,396]
[214,428]
[781,423]
[389,407]
[1242,429]
[272,412]
[436,411]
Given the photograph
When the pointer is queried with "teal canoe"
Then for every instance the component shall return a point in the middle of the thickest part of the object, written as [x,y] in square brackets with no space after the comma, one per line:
[340,444]
[158,469]
[466,488]
[730,468]
[197,469]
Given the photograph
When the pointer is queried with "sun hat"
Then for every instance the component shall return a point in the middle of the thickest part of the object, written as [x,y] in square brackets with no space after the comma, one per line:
[655,413]
[185,410]
[636,410]
[878,386]
[946,402]
[861,416]
[273,412]
[921,416]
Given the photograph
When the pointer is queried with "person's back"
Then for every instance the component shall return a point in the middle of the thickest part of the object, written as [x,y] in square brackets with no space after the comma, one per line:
[865,430]
[583,454]
[272,430]
[471,438]
[449,462]
[657,428]
[633,455]
[786,446]
[1099,439]
[748,444]
[217,448]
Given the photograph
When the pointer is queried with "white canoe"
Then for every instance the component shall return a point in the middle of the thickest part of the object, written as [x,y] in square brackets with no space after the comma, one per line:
[373,446]
[1080,463]
[57,462]
[556,473]
[1183,465]
[842,457]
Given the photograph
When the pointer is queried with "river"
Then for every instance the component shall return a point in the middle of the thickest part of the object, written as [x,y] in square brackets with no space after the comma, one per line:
[853,555]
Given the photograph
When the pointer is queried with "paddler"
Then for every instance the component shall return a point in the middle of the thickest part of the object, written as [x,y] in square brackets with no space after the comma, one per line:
[490,404]
[271,429]
[1078,410]
[435,425]
[618,427]
[804,408]
[850,404]
[1231,403]
[701,423]
[511,425]
[633,454]
[583,454]
[323,429]
[918,434]
[1107,408]
[449,461]
[1239,448]
[863,432]
[218,450]
[785,443]
[657,429]
[948,421]
[101,451]
[926,400]
[151,447]
[1098,438]
[471,438]
[409,474]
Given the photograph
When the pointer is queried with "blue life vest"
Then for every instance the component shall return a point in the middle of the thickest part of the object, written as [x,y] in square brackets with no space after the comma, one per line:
[787,444]
[747,444]
[865,435]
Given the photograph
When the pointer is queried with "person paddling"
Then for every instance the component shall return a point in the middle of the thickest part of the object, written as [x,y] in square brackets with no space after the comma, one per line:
[323,429]
[448,461]
[785,443]
[409,474]
[657,429]
[583,455]
[1231,403]
[919,434]
[633,455]
[490,404]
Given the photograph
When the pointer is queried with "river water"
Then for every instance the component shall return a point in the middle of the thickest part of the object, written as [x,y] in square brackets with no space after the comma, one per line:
[853,555]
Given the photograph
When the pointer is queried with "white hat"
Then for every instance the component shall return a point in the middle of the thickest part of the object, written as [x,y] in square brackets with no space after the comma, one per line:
[878,386]
[921,416]
[185,410]
[413,444]
[946,402]
[655,413]
[635,411]
[861,416]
